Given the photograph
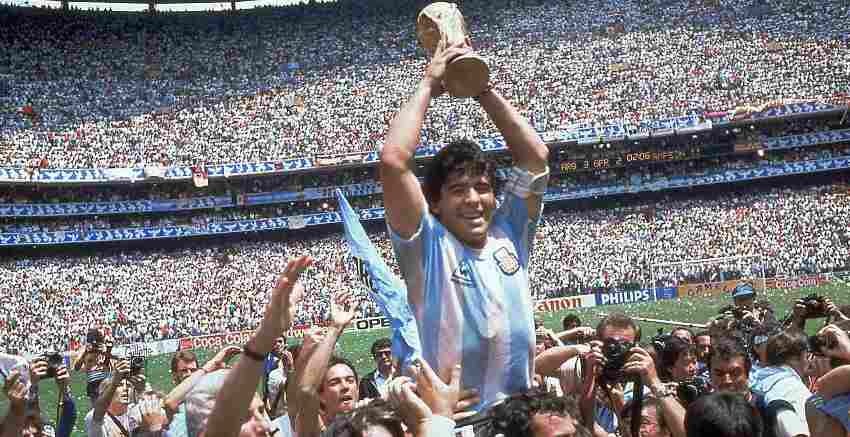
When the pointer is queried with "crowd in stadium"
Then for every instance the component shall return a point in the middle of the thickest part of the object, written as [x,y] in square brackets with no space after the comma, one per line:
[556,70]
[457,272]
[167,294]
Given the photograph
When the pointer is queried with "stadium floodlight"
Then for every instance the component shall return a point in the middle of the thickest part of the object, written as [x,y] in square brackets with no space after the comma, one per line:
[710,276]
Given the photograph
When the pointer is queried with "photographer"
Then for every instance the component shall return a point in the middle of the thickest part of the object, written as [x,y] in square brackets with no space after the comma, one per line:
[116,415]
[582,370]
[812,307]
[640,364]
[96,360]
[50,366]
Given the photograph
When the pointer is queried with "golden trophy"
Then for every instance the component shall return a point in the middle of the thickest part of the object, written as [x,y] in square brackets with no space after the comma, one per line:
[467,75]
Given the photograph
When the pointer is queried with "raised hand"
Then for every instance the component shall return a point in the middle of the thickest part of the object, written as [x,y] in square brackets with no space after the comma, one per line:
[63,379]
[38,371]
[443,55]
[441,397]
[219,361]
[343,308]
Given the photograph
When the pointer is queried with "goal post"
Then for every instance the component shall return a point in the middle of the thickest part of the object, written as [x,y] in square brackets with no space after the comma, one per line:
[710,276]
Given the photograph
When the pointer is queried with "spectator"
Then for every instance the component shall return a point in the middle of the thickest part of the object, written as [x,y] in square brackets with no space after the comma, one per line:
[723,415]
[782,382]
[537,414]
[374,384]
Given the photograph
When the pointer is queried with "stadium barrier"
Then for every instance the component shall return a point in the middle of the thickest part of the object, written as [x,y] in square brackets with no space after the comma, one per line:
[719,288]
[297,222]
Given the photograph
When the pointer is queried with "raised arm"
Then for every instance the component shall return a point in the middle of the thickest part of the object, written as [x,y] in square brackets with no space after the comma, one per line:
[308,377]
[178,394]
[527,148]
[404,202]
[122,371]
[233,401]
[549,362]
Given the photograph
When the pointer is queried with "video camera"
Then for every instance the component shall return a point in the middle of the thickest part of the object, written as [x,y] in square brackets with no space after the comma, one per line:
[616,354]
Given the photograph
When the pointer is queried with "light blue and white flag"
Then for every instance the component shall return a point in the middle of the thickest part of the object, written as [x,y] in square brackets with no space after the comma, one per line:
[388,291]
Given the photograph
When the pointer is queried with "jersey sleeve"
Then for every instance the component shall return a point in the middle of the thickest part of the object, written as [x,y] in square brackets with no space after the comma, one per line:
[412,253]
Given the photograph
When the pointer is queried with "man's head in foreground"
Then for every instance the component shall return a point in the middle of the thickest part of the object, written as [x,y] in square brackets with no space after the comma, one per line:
[538,414]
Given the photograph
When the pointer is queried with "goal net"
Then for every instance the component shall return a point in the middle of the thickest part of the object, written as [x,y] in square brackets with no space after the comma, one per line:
[710,276]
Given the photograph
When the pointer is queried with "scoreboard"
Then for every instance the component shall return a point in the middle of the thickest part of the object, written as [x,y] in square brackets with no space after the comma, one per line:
[624,159]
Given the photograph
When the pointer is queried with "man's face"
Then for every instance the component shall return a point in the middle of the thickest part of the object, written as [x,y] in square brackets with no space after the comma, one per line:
[123,394]
[730,375]
[703,345]
[384,359]
[184,370]
[685,367]
[552,425]
[746,302]
[539,345]
[650,425]
[683,334]
[466,207]
[339,390]
[619,334]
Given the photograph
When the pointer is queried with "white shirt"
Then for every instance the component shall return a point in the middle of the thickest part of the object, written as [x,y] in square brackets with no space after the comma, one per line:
[107,427]
[277,380]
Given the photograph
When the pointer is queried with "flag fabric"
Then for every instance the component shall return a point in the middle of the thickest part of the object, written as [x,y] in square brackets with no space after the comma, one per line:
[200,176]
[388,290]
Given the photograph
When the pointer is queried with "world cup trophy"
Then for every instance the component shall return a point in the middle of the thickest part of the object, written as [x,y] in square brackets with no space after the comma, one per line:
[467,75]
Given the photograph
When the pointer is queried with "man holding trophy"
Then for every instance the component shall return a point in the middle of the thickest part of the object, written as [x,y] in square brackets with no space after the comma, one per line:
[464,260]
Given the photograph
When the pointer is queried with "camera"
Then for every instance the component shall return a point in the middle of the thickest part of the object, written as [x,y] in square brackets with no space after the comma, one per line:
[737,312]
[616,353]
[815,306]
[690,390]
[54,361]
[94,337]
[137,364]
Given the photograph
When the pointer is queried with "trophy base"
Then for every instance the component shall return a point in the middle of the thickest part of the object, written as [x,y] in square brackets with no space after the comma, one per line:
[467,76]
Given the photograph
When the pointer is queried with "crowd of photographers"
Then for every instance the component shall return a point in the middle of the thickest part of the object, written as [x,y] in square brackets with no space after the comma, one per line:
[746,372]
[555,60]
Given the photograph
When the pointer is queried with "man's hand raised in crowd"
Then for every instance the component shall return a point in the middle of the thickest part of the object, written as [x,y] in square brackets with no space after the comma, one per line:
[38,371]
[343,308]
[285,297]
[63,379]
[640,363]
[221,359]
[837,342]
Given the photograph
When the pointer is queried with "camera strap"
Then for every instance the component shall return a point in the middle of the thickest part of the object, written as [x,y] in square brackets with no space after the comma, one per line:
[118,424]
[637,406]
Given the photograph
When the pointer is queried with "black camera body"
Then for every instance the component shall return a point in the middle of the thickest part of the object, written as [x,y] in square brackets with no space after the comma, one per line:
[616,354]
[54,361]
[94,337]
[815,306]
[692,389]
[137,364]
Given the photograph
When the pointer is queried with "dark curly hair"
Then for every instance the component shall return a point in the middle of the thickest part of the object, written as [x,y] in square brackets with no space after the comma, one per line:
[512,418]
[462,157]
[356,423]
